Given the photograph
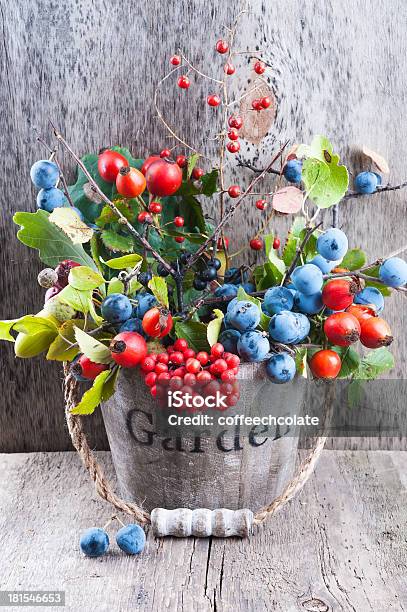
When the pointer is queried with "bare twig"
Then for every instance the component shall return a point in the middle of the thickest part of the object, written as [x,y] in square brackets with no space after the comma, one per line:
[299,251]
[202,74]
[355,194]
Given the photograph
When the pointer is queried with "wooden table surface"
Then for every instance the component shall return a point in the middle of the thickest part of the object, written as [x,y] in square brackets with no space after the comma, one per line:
[340,545]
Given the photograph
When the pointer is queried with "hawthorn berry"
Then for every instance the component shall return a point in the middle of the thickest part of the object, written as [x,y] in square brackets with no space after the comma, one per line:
[234,191]
[155,207]
[256,104]
[181,161]
[197,173]
[261,204]
[375,332]
[177,357]
[163,178]
[175,60]
[265,102]
[109,164]
[157,322]
[203,377]
[235,121]
[233,134]
[189,353]
[165,153]
[276,243]
[213,100]
[193,365]
[180,344]
[148,364]
[222,46]
[128,349]
[144,217]
[256,244]
[217,350]
[179,239]
[150,379]
[130,182]
[160,368]
[325,364]
[229,68]
[233,147]
[179,221]
[163,358]
[259,67]
[176,383]
[190,379]
[183,82]
[202,357]
[361,312]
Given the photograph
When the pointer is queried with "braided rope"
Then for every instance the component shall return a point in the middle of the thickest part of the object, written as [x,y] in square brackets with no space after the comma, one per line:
[104,490]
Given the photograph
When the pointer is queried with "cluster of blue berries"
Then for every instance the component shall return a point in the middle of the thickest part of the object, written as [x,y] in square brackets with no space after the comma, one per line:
[125,313]
[94,542]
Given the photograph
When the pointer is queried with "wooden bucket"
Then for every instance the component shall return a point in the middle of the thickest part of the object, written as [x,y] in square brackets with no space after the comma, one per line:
[230,470]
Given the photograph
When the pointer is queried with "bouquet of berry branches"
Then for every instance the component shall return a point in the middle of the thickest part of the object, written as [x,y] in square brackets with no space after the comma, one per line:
[138,275]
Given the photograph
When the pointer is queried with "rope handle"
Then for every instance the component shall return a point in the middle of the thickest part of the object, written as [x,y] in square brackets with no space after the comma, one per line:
[105,491]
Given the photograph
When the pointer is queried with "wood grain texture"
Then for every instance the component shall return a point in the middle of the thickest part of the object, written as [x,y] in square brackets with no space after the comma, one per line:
[339,546]
[339,68]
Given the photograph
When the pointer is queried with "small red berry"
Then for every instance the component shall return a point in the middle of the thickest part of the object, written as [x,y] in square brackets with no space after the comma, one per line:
[228,376]
[147,163]
[128,349]
[256,105]
[130,182]
[155,208]
[217,350]
[163,358]
[265,102]
[86,368]
[232,400]
[175,60]
[190,379]
[361,312]
[203,377]
[222,46]
[197,173]
[256,244]
[179,239]
[148,364]
[181,161]
[180,344]
[229,68]
[233,134]
[213,100]
[160,367]
[177,358]
[235,121]
[325,364]
[144,217]
[165,153]
[153,390]
[261,204]
[221,244]
[183,82]
[176,383]
[189,353]
[150,379]
[218,366]
[276,243]
[259,67]
[179,221]
[193,365]
[233,147]
[180,371]
[202,357]
[109,164]
[164,378]
[232,360]
[234,191]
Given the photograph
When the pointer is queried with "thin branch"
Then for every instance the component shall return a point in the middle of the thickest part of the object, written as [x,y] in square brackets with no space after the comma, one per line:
[242,164]
[202,74]
[355,194]
[300,250]
[365,277]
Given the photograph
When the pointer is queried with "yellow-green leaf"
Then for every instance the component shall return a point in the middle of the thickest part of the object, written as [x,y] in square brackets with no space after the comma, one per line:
[93,396]
[159,289]
[214,327]
[79,300]
[92,348]
[31,345]
[5,328]
[32,324]
[127,261]
[68,220]
[83,278]
[60,349]
[115,286]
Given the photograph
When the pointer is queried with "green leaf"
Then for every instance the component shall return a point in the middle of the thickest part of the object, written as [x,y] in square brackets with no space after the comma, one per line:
[209,183]
[92,310]
[60,349]
[5,328]
[117,242]
[83,278]
[192,161]
[159,289]
[68,220]
[274,258]
[266,276]
[53,245]
[115,286]
[109,386]
[350,360]
[95,252]
[354,259]
[78,299]
[293,239]
[92,348]
[195,334]
[126,261]
[375,363]
[355,393]
[31,345]
[214,327]
[32,324]
[92,398]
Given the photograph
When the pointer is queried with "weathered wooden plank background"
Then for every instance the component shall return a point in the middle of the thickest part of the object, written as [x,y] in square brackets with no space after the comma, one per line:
[339,69]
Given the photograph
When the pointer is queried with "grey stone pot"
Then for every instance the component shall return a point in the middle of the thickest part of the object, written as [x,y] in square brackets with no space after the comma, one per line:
[233,469]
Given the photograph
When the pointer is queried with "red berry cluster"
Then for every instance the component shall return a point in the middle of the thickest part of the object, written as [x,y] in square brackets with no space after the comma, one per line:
[180,368]
[259,104]
[235,123]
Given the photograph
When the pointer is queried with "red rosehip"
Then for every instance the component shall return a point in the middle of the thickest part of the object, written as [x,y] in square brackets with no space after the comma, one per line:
[180,344]
[325,364]
[342,328]
[375,332]
[160,367]
[221,244]
[128,349]
[189,353]
[259,67]
[148,364]
[163,178]
[190,379]
[256,104]
[197,173]
[175,60]
[213,100]
[233,147]
[183,82]
[163,358]
[256,244]
[222,46]
[157,322]
[217,350]
[130,182]
[155,208]
[193,365]
[235,121]
[229,68]
[147,163]
[109,165]
[177,358]
[233,134]
[179,221]
[202,357]
[265,102]
[338,293]
[144,217]
[150,379]
[261,204]
[361,312]
[165,153]
[181,161]
[276,243]
[86,368]
[179,239]
[234,191]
